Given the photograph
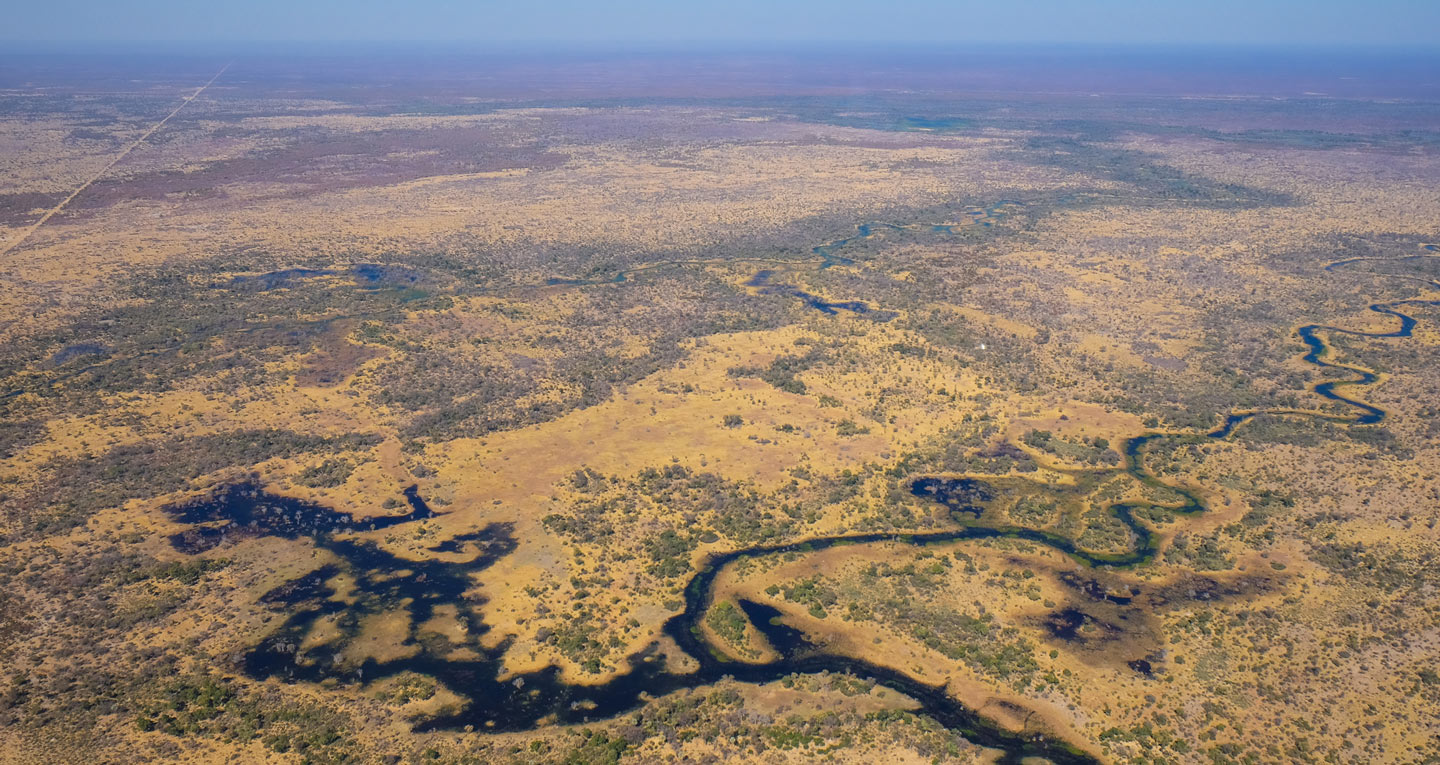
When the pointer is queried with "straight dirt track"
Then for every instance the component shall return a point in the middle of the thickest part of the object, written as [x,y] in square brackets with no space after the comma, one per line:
[24,235]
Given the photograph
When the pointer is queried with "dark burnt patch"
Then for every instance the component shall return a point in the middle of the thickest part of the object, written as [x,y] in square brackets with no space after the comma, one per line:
[1096,590]
[25,207]
[959,495]
[1079,627]
[1065,624]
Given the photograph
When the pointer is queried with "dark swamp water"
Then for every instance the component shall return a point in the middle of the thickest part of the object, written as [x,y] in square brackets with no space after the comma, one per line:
[384,582]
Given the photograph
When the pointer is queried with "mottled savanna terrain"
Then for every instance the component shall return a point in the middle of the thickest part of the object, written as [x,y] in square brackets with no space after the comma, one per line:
[407,408]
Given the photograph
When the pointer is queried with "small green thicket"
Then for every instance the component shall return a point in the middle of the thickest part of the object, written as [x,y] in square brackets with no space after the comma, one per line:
[327,474]
[1266,506]
[588,520]
[1088,450]
[849,428]
[1034,511]
[187,572]
[727,621]
[200,705]
[408,686]
[670,553]
[1102,531]
[578,639]
[189,706]
[1200,552]
[597,747]
[814,593]
[782,372]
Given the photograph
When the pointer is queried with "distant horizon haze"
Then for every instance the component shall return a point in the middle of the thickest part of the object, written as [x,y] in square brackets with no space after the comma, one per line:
[1343,23]
[591,74]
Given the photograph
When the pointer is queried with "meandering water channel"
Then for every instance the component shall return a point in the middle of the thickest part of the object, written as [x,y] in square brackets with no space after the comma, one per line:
[382,581]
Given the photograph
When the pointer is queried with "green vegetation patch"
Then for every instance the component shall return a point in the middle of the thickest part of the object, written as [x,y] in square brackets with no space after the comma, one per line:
[727,621]
[204,706]
[327,474]
[782,371]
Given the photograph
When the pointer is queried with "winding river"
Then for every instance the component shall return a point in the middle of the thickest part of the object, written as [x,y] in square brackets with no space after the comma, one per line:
[383,581]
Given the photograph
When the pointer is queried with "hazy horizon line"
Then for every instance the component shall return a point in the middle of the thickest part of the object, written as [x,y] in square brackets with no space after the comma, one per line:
[714,45]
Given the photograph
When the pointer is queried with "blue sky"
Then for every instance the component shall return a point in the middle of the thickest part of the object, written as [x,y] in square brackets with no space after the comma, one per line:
[1289,22]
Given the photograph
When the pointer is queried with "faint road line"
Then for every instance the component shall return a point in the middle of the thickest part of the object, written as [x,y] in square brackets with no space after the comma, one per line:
[57,208]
